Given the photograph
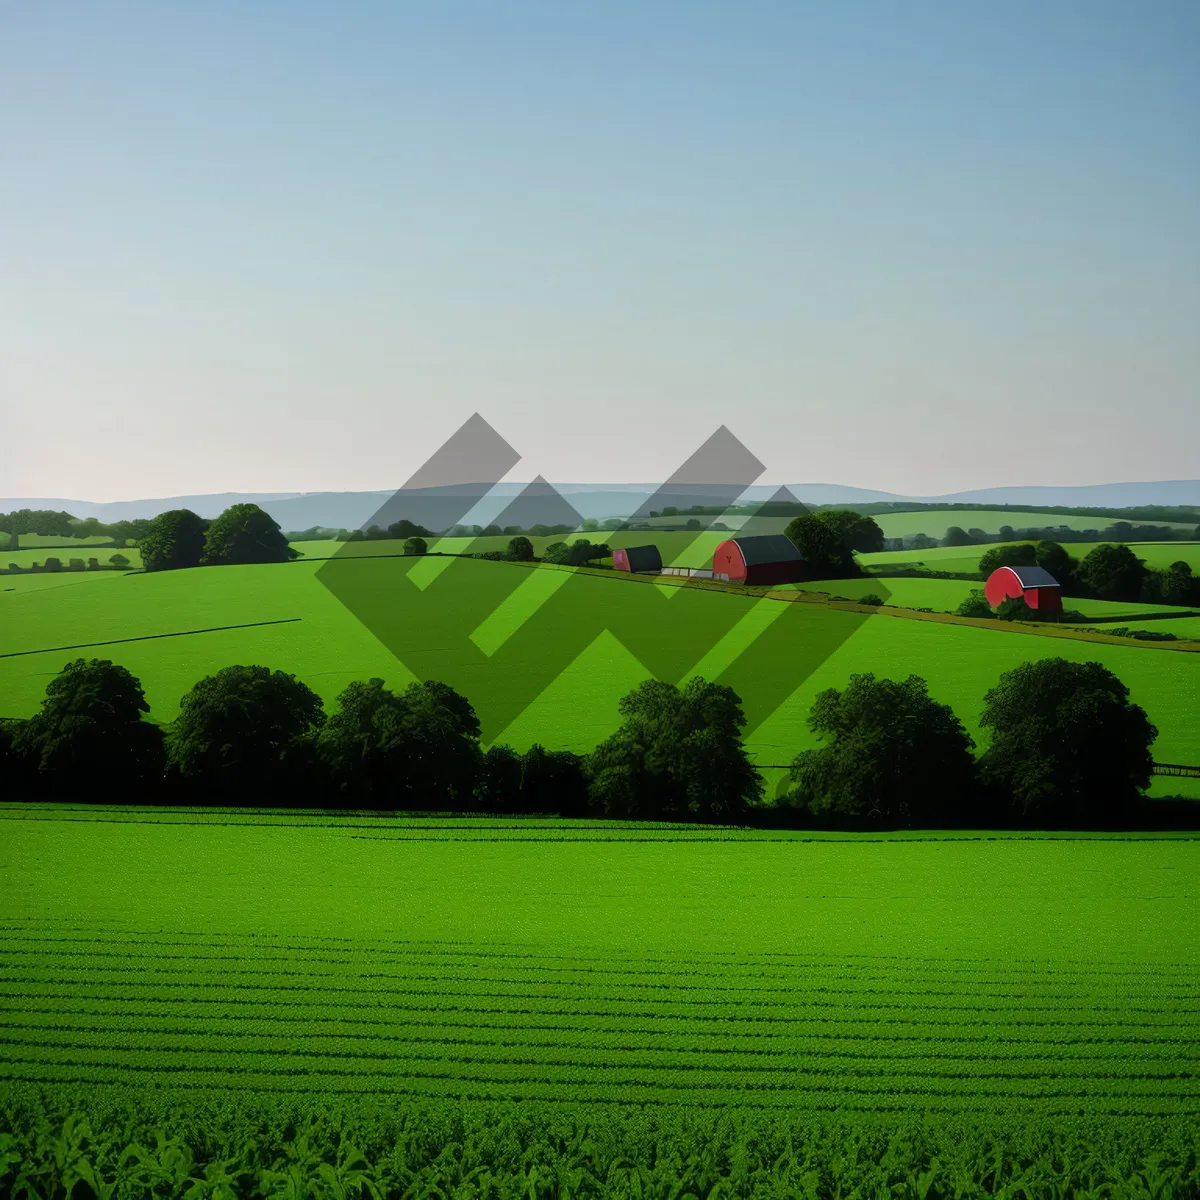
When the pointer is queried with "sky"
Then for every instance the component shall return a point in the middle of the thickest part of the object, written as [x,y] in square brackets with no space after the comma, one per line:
[921,247]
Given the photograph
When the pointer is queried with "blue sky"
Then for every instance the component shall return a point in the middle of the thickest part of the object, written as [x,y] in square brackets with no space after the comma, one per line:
[921,247]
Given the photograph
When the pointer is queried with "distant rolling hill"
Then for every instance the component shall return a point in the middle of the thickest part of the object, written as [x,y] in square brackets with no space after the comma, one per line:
[300,510]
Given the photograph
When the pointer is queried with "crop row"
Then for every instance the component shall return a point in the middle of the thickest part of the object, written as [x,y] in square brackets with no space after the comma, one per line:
[1182,1054]
[518,1012]
[320,946]
[260,962]
[575,1023]
[951,1042]
[465,981]
[586,1085]
[469,994]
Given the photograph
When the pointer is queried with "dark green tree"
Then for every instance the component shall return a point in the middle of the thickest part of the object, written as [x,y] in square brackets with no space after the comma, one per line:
[1014,554]
[829,539]
[1067,748]
[556,552]
[1180,585]
[677,753]
[400,530]
[895,757]
[956,535]
[1112,572]
[520,549]
[243,533]
[92,714]
[173,540]
[418,749]
[415,545]
[246,733]
[1053,557]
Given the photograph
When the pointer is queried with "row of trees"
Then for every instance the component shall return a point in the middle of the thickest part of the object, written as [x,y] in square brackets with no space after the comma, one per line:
[1107,572]
[44,523]
[243,533]
[1119,531]
[1067,748]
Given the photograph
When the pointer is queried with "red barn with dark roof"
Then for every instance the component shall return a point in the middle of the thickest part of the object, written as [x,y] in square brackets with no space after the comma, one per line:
[637,559]
[1035,585]
[767,558]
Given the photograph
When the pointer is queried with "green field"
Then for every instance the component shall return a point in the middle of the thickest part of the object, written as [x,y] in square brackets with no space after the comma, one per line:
[589,962]
[966,558]
[479,638]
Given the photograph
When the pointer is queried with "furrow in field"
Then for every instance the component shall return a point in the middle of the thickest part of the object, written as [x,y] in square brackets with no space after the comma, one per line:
[574,1023]
[665,1012]
[521,970]
[589,1081]
[1174,1061]
[91,988]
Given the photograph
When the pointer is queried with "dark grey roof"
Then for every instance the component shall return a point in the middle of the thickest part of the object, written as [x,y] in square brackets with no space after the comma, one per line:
[644,558]
[1034,577]
[767,548]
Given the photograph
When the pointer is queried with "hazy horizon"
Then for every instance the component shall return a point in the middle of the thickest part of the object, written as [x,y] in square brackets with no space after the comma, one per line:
[921,250]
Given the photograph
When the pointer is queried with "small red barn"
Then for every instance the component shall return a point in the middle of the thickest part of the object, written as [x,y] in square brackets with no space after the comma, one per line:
[1035,585]
[645,559]
[767,558]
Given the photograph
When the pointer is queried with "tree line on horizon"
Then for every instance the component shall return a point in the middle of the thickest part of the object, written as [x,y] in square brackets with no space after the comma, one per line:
[1067,749]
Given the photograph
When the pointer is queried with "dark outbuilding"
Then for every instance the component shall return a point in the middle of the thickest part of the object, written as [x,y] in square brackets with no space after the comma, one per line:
[639,559]
[767,558]
[1035,585]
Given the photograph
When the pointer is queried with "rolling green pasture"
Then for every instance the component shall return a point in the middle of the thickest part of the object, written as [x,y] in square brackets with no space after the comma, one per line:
[469,623]
[34,541]
[966,559]
[205,952]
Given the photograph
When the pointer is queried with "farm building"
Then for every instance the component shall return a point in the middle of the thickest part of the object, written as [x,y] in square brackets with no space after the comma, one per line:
[644,559]
[1035,585]
[768,558]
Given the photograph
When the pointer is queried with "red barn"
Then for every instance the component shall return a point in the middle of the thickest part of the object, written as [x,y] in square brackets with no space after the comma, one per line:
[768,558]
[637,558]
[1035,585]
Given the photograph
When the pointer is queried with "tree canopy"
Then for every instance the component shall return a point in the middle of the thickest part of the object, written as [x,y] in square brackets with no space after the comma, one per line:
[416,749]
[241,731]
[244,533]
[829,539]
[677,753]
[1067,745]
[1112,572]
[91,716]
[895,756]
[174,540]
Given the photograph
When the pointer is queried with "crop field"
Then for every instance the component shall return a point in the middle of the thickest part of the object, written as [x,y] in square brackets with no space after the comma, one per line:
[487,960]
[171,629]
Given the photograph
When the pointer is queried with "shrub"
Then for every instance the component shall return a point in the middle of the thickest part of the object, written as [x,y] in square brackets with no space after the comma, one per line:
[118,560]
[975,605]
[871,598]
[415,545]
